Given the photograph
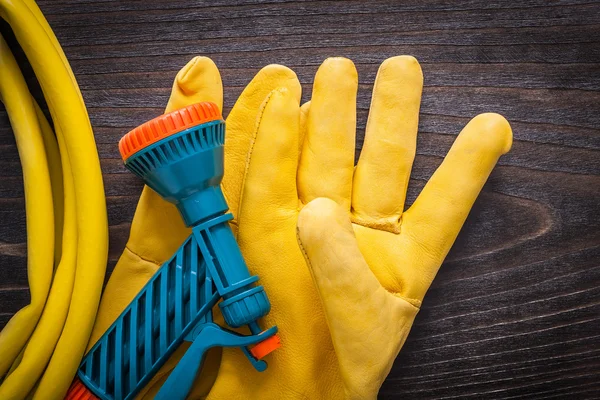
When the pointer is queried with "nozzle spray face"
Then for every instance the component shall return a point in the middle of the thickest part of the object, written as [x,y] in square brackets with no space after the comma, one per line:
[180,156]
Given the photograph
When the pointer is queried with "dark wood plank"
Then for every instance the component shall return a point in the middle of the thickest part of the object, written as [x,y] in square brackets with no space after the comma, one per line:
[514,312]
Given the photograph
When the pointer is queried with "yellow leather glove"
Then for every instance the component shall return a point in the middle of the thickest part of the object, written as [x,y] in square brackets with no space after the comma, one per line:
[342,327]
[158,230]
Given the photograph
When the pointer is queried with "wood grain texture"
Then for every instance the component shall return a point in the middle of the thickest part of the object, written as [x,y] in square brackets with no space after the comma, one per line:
[515,310]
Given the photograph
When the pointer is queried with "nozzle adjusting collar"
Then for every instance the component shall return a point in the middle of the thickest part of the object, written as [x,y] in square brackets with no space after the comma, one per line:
[166,125]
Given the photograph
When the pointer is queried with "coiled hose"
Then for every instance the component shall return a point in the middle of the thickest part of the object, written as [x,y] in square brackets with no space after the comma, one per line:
[67,232]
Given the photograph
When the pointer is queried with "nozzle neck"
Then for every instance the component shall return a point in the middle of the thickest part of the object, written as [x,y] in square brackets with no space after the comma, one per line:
[202,205]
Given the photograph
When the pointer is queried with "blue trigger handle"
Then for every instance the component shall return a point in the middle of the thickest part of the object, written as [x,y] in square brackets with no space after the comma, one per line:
[210,335]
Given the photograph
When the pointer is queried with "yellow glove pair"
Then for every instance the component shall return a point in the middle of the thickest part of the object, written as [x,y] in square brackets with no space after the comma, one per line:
[344,266]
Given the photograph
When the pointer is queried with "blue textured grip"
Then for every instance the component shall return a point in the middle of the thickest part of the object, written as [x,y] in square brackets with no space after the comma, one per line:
[177,298]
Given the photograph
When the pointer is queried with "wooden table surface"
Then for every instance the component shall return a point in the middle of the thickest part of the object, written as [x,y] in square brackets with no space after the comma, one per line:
[515,310]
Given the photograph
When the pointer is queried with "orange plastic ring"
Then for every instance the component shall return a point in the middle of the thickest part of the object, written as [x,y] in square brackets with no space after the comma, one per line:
[167,125]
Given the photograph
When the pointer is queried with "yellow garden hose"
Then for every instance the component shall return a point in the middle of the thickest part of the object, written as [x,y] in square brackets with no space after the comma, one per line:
[38,205]
[42,345]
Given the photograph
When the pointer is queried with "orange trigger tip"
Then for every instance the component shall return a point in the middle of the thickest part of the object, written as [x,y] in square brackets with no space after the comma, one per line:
[266,347]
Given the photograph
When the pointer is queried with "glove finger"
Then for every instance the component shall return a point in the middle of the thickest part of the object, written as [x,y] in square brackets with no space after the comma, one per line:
[434,220]
[368,324]
[241,127]
[383,170]
[199,80]
[270,193]
[327,159]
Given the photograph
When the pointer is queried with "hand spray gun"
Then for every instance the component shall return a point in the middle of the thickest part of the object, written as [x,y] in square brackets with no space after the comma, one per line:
[180,156]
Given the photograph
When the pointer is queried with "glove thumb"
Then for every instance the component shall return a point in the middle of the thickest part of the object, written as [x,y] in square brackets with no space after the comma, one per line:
[368,324]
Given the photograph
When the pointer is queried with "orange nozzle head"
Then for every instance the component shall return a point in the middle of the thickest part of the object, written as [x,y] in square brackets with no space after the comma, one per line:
[78,391]
[167,125]
[266,346]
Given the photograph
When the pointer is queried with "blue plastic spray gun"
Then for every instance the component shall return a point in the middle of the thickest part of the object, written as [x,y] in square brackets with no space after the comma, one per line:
[180,156]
